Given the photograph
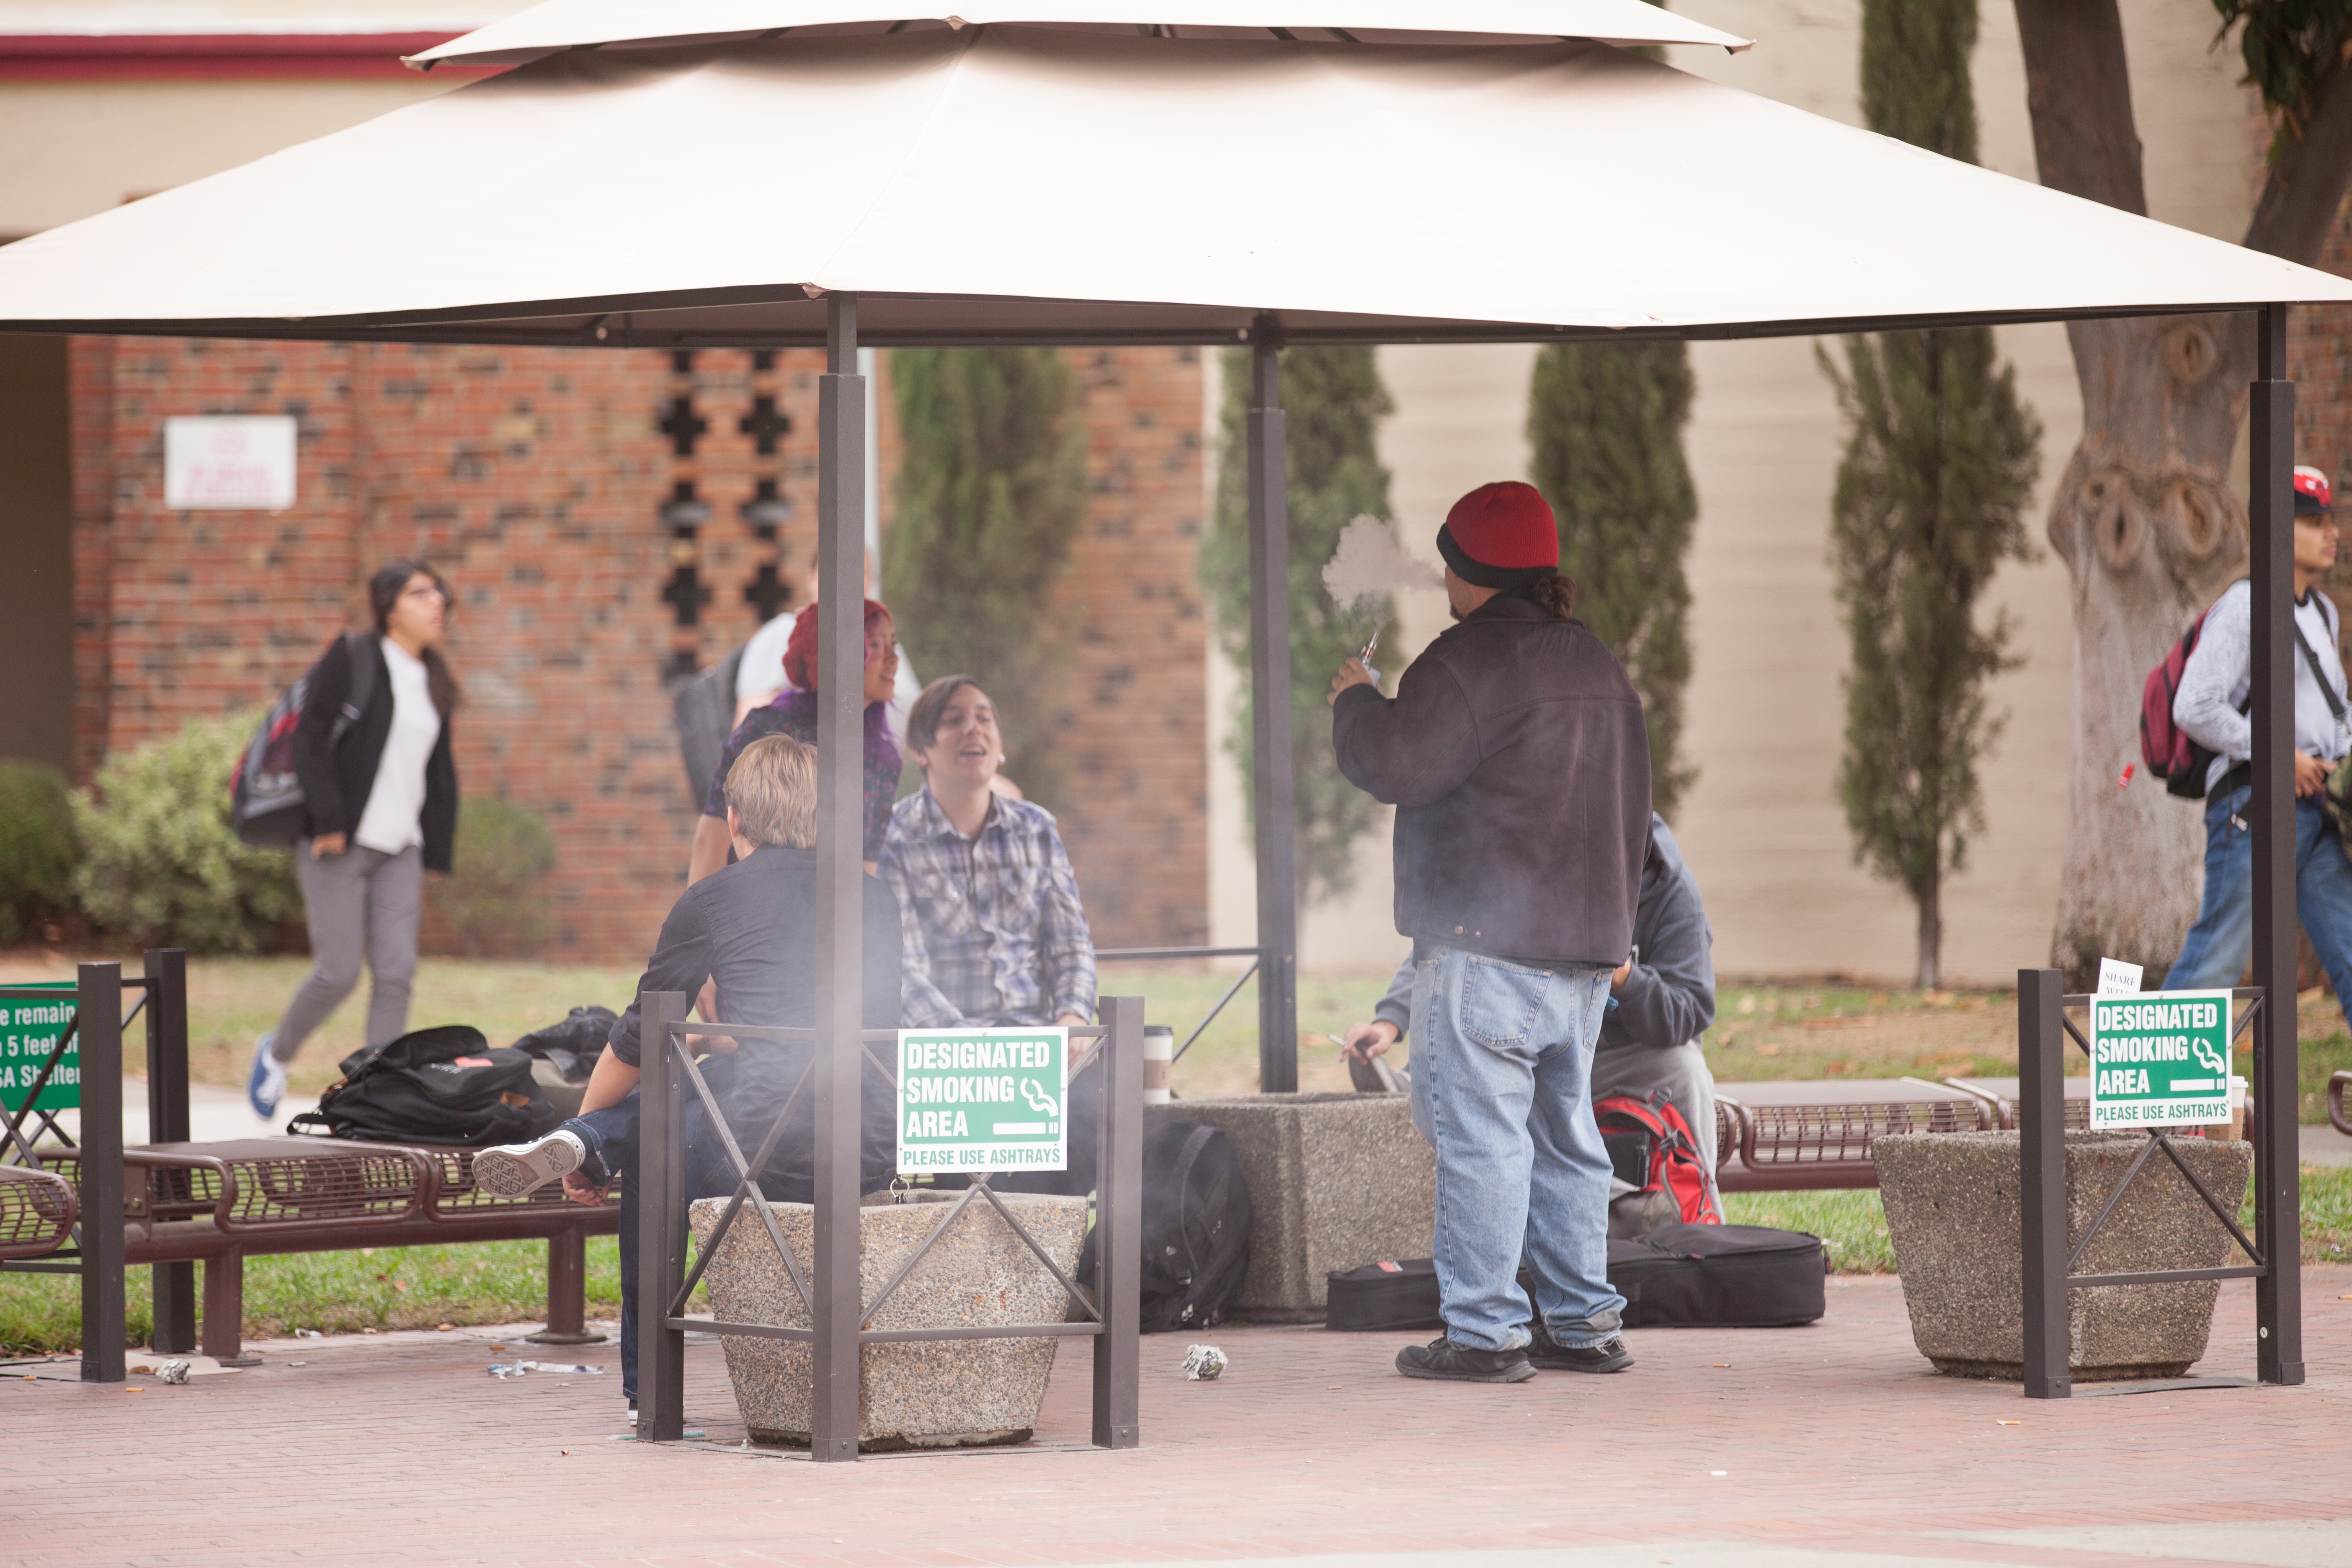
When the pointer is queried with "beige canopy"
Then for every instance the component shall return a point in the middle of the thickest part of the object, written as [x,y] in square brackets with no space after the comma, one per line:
[1003,183]
[575,23]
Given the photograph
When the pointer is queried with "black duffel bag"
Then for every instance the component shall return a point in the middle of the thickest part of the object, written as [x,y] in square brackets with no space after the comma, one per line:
[1676,1276]
[443,1085]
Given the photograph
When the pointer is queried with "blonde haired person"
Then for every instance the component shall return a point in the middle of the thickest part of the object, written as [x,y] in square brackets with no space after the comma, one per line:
[750,928]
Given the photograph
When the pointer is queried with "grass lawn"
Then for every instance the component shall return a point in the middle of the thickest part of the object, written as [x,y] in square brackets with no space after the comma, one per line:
[1765,1032]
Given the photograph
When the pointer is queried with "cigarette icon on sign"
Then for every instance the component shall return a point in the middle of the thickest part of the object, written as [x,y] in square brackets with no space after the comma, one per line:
[1038,1100]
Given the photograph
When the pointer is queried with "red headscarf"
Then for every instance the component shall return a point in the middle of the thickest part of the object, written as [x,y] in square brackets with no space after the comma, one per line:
[800,651]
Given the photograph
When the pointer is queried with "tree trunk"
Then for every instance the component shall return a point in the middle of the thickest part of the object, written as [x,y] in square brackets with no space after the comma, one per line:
[2145,519]
[1930,898]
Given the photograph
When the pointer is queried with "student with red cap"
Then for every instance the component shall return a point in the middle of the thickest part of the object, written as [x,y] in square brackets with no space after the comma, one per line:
[1515,754]
[2210,706]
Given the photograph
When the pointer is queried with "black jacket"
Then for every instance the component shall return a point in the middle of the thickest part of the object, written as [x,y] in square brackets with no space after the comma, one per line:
[1668,998]
[1515,754]
[752,927]
[336,787]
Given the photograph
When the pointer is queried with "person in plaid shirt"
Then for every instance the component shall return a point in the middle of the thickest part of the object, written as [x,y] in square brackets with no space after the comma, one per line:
[993,930]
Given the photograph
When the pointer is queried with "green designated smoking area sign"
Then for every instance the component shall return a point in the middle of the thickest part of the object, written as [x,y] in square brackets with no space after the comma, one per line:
[982,1099]
[28,1032]
[2160,1058]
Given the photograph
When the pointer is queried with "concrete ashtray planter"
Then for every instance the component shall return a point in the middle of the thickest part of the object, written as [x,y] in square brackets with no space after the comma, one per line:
[1336,1181]
[1953,1212]
[922,1393]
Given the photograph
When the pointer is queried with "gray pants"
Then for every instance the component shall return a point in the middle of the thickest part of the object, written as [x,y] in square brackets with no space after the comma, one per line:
[1682,1071]
[362,903]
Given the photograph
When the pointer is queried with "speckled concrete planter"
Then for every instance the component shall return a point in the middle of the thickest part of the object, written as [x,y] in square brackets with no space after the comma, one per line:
[920,1395]
[1952,1209]
[1336,1181]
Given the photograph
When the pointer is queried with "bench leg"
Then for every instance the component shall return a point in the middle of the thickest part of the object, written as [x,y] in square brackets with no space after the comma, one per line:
[567,1292]
[224,1326]
[175,1332]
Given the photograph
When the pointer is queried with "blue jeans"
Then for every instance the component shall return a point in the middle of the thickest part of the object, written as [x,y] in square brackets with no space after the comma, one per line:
[1502,1088]
[2218,946]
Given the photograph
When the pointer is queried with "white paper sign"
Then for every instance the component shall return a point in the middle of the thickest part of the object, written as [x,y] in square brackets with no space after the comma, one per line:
[2118,978]
[229,463]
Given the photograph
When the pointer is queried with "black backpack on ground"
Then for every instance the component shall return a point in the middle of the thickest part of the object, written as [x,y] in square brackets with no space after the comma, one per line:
[1676,1276]
[442,1085]
[266,801]
[1196,1217]
[573,1045]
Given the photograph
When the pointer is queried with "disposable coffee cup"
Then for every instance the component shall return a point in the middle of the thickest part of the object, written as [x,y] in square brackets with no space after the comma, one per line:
[1159,1061]
[2237,1106]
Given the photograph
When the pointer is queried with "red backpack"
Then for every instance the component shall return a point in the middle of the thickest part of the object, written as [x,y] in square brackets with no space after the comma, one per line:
[1650,1136]
[2164,745]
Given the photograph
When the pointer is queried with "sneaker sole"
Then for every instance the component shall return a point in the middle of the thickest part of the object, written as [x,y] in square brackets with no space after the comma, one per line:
[514,1173]
[1619,1364]
[1518,1374]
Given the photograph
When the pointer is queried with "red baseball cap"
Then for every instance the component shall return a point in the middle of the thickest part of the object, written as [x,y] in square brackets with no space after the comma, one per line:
[1501,535]
[2311,494]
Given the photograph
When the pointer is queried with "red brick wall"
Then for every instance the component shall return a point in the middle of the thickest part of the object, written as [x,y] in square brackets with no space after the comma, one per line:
[533,478]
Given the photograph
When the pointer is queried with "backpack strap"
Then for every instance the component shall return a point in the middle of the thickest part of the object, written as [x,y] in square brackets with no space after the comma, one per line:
[2334,703]
[1194,1141]
[318,1127]
[359,652]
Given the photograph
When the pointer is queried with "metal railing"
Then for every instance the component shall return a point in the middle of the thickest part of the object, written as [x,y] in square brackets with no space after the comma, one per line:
[1147,954]
[2042,1029]
[836,1337]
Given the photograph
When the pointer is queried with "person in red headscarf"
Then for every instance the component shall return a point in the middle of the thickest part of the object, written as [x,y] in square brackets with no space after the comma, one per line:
[793,713]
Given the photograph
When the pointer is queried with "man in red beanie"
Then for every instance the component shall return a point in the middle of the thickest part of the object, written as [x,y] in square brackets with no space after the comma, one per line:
[1515,754]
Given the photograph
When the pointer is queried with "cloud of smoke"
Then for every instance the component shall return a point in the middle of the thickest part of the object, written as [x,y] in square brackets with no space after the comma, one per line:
[1370,564]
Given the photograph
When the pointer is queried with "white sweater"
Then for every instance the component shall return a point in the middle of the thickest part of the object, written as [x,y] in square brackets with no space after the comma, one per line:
[2214,686]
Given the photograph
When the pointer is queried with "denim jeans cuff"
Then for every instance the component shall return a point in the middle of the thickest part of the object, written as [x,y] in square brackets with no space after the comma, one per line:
[1583,1333]
[592,1165]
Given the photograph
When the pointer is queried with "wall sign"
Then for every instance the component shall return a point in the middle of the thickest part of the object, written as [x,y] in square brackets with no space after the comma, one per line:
[2160,1058]
[976,1101]
[229,463]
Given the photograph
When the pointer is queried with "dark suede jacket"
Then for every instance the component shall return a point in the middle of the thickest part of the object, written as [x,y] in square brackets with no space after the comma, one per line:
[1515,754]
[336,783]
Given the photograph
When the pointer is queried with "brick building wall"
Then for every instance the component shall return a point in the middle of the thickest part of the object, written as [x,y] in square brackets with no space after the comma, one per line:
[549,486]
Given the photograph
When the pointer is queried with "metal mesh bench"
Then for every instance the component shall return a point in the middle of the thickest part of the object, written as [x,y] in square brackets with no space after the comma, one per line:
[38,1210]
[1800,1137]
[2337,1085]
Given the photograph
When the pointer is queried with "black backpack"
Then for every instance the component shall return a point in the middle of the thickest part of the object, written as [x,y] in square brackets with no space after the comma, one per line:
[1196,1218]
[265,803]
[442,1085]
[573,1045]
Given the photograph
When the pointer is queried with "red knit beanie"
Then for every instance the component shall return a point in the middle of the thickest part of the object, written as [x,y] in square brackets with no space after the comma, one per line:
[800,649]
[1501,536]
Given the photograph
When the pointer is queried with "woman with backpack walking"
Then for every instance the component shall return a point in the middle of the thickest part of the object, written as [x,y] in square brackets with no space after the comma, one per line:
[372,752]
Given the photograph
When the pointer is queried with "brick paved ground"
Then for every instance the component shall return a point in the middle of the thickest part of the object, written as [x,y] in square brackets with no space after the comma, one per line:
[1840,1450]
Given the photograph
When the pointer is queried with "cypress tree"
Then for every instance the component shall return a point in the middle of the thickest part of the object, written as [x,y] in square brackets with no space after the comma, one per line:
[992,486]
[1939,465]
[1333,403]
[1605,422]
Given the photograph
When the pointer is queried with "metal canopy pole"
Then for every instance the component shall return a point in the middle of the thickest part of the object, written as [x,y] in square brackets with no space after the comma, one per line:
[1269,555]
[173,1285]
[840,848]
[2278,1294]
[2042,1187]
[98,1017]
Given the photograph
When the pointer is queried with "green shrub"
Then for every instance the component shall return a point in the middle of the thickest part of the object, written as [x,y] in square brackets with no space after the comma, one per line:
[163,863]
[38,848]
[491,897]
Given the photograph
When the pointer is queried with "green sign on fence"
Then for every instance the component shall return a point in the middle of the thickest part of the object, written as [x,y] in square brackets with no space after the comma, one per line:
[2160,1058]
[982,1099]
[28,1032]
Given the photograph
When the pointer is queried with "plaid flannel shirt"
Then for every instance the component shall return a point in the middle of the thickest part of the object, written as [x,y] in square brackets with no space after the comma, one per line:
[993,929]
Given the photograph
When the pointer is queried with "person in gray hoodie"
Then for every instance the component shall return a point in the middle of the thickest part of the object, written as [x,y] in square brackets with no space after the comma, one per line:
[1660,1001]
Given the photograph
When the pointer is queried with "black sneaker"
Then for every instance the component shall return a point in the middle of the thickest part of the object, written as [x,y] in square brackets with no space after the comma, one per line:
[1609,1356]
[1441,1359]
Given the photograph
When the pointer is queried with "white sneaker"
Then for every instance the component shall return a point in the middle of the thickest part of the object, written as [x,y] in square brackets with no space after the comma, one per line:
[511,1170]
[266,1085]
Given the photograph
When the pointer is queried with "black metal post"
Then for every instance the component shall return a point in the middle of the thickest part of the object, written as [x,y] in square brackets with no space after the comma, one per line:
[173,1284]
[1118,1198]
[2041,1181]
[660,1204]
[840,837]
[1277,887]
[97,1012]
[2278,1295]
